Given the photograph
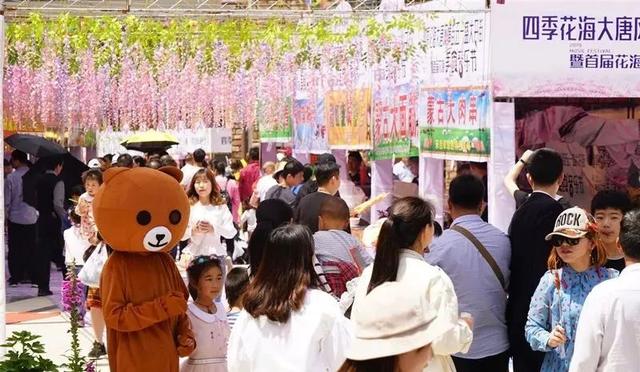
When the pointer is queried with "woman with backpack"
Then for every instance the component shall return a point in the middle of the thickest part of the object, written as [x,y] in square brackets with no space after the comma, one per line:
[228,188]
[230,191]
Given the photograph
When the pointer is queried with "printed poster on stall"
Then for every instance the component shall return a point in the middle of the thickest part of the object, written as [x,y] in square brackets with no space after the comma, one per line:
[347,115]
[570,48]
[310,133]
[274,120]
[598,152]
[395,122]
[457,49]
[454,123]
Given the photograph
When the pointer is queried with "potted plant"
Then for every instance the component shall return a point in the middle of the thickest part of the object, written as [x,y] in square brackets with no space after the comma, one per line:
[25,354]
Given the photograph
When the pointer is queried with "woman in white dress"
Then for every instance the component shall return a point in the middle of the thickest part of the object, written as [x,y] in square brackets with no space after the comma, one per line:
[400,259]
[210,218]
[287,324]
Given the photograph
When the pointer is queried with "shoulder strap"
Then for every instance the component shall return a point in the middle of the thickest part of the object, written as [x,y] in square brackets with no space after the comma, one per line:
[483,251]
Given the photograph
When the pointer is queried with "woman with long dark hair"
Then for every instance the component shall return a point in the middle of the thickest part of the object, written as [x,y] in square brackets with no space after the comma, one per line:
[287,324]
[271,213]
[399,262]
[210,218]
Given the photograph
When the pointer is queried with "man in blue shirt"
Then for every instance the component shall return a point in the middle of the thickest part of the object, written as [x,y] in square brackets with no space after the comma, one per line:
[477,286]
[22,222]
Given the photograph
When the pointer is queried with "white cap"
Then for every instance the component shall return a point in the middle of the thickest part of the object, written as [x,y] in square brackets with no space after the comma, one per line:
[572,223]
[94,163]
[394,319]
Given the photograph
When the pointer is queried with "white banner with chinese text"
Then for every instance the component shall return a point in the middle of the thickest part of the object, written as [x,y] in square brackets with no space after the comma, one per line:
[571,48]
[457,49]
[213,140]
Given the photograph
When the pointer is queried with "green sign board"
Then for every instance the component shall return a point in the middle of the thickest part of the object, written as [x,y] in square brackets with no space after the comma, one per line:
[280,132]
[398,147]
[455,141]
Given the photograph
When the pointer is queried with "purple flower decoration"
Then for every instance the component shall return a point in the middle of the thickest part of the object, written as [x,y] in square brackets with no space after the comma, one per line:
[90,366]
[72,294]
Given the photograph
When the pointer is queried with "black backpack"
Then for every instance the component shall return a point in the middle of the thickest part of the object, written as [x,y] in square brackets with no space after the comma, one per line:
[225,194]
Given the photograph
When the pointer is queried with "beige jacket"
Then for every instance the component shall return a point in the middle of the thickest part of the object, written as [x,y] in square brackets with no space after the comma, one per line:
[414,271]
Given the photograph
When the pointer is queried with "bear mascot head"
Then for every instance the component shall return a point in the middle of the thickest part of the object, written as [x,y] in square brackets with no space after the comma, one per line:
[142,213]
[141,209]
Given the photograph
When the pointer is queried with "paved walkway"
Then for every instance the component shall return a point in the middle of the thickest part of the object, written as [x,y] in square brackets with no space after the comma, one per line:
[43,316]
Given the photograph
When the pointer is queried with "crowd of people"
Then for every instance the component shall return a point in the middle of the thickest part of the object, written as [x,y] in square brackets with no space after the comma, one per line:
[559,292]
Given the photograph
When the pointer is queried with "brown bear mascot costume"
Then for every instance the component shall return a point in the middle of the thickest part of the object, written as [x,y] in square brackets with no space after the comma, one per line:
[142,213]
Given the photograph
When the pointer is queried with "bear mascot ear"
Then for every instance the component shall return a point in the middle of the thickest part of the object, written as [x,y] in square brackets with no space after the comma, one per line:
[112,172]
[173,172]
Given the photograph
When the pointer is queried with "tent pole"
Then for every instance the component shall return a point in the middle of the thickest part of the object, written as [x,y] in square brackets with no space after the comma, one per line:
[3,282]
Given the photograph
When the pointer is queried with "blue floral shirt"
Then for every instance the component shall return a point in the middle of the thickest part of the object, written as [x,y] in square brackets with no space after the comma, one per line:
[551,306]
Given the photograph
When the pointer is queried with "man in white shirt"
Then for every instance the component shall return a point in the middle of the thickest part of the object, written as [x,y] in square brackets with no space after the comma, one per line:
[193,164]
[607,336]
[266,181]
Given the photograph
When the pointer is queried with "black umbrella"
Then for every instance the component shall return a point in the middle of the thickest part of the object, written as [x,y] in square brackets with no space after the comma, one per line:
[34,145]
[71,175]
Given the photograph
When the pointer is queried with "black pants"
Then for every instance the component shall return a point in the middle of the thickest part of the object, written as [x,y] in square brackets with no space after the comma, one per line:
[494,363]
[527,360]
[22,245]
[49,244]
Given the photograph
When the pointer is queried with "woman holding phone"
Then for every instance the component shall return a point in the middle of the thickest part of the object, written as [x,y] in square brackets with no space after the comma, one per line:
[575,267]
[210,218]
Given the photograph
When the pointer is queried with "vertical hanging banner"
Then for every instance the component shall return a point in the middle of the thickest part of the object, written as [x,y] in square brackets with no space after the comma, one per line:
[395,123]
[458,49]
[454,123]
[310,133]
[348,117]
[453,107]
[274,121]
[309,130]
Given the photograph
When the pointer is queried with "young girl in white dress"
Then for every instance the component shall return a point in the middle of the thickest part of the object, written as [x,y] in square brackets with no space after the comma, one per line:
[208,318]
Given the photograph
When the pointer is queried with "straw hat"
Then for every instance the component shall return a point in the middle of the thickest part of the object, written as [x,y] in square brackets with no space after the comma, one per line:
[393,319]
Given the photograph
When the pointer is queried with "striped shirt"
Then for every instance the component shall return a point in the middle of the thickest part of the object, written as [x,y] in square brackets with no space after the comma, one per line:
[338,245]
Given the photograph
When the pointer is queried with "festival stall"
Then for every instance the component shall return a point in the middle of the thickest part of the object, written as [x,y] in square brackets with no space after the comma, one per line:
[434,101]
[573,86]
[454,100]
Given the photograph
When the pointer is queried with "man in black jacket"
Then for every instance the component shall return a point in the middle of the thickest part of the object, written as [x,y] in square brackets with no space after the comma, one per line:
[308,209]
[529,226]
[50,200]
